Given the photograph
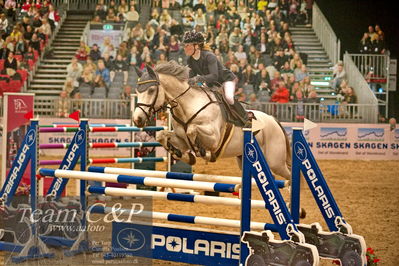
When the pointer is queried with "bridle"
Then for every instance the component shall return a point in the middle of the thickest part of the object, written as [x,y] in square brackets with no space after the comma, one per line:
[151,107]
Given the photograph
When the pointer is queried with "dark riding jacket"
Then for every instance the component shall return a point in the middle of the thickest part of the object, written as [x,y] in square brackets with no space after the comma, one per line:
[209,70]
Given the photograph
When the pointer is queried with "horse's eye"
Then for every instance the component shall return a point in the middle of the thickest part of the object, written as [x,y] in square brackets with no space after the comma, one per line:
[151,90]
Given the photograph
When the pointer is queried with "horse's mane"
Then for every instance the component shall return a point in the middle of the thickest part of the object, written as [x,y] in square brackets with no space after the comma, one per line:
[174,69]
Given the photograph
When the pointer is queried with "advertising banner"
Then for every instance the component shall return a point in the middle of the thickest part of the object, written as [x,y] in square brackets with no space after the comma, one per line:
[16,107]
[351,141]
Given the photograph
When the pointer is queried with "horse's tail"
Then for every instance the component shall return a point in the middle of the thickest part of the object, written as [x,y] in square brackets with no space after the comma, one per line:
[288,159]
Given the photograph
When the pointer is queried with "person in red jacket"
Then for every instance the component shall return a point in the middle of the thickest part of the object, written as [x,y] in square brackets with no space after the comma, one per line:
[281,94]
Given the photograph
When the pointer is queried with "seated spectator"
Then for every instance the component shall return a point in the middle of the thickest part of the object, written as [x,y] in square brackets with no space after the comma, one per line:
[136,34]
[96,20]
[147,61]
[262,81]
[35,43]
[25,22]
[87,77]
[254,103]
[296,86]
[119,66]
[111,16]
[162,59]
[100,12]
[350,96]
[307,87]
[95,52]
[274,83]
[248,76]
[132,17]
[46,28]
[235,39]
[89,64]
[160,43]
[133,58]
[107,60]
[281,94]
[81,54]
[102,74]
[29,55]
[4,51]
[10,63]
[286,72]
[339,74]
[123,50]
[20,47]
[149,34]
[312,97]
[279,59]
[108,47]
[74,71]
[299,107]
[28,33]
[63,105]
[300,71]
[200,19]
[296,61]
[240,53]
[165,18]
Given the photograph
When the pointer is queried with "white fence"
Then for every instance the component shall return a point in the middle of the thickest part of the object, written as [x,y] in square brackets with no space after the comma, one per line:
[326,35]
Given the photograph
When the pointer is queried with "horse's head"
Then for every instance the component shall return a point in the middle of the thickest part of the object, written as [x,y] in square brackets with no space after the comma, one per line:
[150,96]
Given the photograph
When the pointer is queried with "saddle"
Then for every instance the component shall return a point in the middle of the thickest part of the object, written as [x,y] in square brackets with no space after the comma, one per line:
[234,114]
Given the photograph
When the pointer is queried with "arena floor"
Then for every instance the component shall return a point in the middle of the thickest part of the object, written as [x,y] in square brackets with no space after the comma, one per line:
[366,192]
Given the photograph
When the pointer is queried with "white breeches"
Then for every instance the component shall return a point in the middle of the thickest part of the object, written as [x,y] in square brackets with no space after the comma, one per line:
[229,90]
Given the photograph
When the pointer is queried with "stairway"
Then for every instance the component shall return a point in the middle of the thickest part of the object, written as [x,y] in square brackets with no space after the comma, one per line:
[49,78]
[319,65]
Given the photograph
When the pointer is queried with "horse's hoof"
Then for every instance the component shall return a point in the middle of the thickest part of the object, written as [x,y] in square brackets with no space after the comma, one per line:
[192,159]
[213,158]
[302,213]
[202,152]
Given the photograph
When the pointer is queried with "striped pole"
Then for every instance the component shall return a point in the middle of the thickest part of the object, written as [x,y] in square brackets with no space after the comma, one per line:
[110,191]
[103,145]
[101,129]
[174,175]
[110,160]
[138,180]
[90,125]
[181,218]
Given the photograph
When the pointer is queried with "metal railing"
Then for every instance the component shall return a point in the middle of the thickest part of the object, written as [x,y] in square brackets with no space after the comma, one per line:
[90,108]
[377,65]
[287,112]
[360,85]
[319,112]
[326,35]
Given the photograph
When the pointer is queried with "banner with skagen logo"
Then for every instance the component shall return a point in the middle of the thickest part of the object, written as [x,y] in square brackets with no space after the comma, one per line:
[351,141]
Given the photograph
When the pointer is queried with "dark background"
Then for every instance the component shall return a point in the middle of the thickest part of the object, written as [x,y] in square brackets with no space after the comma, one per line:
[351,18]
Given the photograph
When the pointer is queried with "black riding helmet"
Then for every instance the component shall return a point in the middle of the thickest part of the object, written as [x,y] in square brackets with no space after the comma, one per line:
[193,37]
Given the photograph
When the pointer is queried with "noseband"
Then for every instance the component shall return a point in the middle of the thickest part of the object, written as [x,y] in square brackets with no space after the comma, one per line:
[151,107]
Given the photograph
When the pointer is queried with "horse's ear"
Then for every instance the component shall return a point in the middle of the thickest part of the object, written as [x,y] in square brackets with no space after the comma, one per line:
[151,72]
[138,71]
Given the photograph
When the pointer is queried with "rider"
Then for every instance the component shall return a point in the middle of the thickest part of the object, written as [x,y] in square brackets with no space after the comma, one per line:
[206,68]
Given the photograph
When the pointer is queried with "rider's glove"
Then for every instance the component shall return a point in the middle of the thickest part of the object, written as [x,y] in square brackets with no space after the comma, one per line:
[194,81]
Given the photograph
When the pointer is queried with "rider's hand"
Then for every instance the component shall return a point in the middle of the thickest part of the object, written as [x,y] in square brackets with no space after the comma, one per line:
[192,81]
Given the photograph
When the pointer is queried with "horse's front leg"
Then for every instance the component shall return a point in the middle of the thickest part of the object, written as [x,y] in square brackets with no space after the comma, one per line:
[175,146]
[204,139]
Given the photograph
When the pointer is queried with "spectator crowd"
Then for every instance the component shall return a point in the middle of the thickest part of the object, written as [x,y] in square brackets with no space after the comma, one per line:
[25,28]
[253,40]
